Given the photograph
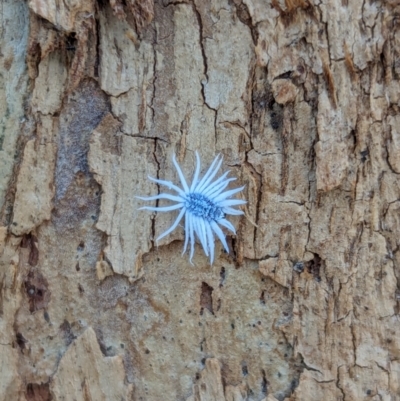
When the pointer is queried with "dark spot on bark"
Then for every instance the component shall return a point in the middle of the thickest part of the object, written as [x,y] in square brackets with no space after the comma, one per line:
[245,370]
[36,288]
[46,316]
[21,341]
[298,267]
[264,383]
[364,155]
[314,267]
[71,42]
[222,277]
[38,392]
[206,298]
[285,75]
[262,297]
[294,383]
[66,332]
[276,120]
[30,241]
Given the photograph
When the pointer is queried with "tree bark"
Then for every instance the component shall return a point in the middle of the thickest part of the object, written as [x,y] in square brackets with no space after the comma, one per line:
[302,100]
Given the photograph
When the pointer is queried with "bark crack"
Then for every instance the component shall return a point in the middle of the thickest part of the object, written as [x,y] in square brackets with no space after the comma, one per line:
[205,64]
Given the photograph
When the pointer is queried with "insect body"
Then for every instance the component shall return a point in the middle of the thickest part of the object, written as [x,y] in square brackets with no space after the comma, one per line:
[204,204]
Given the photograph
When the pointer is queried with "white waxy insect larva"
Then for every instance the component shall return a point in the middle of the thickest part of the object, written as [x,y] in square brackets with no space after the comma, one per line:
[204,205]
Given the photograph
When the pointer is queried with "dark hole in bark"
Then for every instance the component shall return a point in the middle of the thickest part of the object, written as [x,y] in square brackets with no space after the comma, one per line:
[21,341]
[314,267]
[206,298]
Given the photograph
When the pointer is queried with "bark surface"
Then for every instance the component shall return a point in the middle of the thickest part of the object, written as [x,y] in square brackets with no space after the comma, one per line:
[302,99]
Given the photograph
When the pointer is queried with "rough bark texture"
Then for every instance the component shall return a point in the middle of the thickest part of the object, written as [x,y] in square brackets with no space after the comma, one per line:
[302,99]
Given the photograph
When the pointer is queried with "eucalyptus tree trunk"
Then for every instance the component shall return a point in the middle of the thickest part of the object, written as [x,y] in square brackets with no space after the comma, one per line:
[302,100]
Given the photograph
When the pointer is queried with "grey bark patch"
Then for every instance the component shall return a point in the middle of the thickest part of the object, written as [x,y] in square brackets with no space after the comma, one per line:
[77,193]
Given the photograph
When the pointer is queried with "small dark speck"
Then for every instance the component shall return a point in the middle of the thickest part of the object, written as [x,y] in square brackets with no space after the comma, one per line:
[364,155]
[298,267]
[147,351]
[369,392]
[274,124]
[294,384]
[46,317]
